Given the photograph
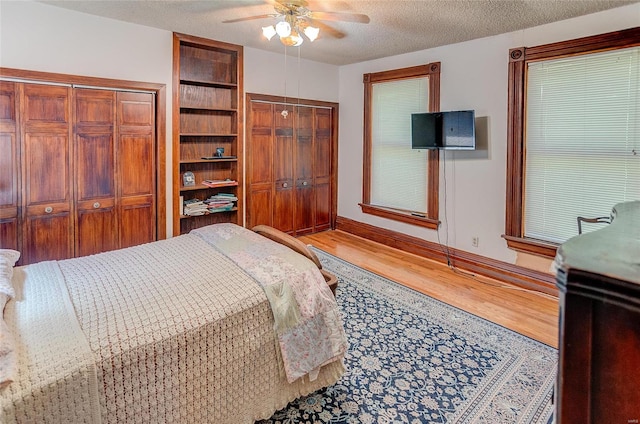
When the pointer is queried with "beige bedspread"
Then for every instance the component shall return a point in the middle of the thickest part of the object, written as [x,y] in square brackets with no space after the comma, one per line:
[178,333]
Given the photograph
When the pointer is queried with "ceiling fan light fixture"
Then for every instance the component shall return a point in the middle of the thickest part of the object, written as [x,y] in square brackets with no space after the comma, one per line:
[268,32]
[311,32]
[293,40]
[283,29]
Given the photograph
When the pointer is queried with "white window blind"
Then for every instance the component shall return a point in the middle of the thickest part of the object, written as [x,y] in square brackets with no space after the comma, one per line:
[582,141]
[398,173]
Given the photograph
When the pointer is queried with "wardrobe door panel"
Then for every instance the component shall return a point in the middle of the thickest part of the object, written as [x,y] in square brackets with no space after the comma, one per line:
[260,207]
[283,205]
[95,171]
[96,167]
[46,168]
[137,221]
[9,171]
[322,169]
[260,180]
[47,173]
[260,155]
[304,152]
[96,227]
[136,168]
[304,158]
[48,237]
[323,205]
[283,208]
[135,156]
[304,208]
[9,231]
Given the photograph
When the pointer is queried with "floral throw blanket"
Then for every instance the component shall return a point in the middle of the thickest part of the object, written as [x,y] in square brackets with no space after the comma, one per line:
[308,324]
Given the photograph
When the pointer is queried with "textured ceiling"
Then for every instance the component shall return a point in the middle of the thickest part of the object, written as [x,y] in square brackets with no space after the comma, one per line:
[396,27]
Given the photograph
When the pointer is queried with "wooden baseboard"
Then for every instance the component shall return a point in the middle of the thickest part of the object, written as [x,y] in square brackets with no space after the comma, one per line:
[499,270]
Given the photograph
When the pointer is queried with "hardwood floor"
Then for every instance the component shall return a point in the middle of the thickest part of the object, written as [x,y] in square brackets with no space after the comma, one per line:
[530,313]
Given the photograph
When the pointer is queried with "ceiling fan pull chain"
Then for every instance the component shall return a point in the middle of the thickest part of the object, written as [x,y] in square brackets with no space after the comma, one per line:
[299,76]
[285,112]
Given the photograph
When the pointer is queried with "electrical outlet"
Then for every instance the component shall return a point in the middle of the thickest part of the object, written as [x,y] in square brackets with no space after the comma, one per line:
[474,241]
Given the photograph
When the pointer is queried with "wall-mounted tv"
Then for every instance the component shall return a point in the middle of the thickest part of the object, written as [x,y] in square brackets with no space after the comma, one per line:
[453,130]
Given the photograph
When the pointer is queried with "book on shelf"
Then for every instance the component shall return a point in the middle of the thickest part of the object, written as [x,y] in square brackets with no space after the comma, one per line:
[194,207]
[219,183]
[221,209]
[221,202]
[223,197]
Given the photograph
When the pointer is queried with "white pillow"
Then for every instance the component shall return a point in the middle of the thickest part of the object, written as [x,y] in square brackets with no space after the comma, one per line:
[8,259]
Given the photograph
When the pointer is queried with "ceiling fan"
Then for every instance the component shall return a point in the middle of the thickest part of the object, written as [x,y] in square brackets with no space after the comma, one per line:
[296,17]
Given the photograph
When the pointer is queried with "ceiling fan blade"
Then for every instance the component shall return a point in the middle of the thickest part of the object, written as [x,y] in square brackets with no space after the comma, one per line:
[249,18]
[339,16]
[327,29]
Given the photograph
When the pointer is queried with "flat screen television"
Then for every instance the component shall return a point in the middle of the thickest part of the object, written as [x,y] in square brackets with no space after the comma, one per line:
[453,130]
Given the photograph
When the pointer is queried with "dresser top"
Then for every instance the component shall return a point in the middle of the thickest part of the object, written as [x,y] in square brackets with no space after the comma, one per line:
[613,251]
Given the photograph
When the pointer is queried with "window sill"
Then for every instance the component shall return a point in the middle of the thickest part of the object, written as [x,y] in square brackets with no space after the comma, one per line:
[531,246]
[401,216]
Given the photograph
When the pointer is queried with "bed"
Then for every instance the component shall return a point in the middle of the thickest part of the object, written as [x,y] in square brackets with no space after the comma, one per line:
[221,325]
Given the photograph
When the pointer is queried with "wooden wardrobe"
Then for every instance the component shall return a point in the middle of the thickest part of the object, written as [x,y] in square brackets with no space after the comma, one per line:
[291,164]
[78,170]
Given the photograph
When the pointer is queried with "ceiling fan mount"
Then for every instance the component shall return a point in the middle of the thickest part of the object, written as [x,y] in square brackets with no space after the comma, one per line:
[294,8]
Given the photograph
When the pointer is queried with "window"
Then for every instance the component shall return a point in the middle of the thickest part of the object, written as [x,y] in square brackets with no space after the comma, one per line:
[400,183]
[574,136]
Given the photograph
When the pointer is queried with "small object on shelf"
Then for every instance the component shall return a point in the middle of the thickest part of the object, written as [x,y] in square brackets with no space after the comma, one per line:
[219,183]
[219,152]
[188,179]
[218,157]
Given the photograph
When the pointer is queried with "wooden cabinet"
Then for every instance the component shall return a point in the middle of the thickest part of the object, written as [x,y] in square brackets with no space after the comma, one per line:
[80,176]
[9,168]
[207,110]
[290,166]
[599,345]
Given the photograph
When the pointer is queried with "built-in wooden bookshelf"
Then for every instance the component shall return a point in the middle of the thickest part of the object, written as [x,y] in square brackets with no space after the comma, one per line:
[207,116]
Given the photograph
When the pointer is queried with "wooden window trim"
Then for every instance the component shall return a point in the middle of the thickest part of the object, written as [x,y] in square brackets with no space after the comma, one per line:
[516,143]
[430,220]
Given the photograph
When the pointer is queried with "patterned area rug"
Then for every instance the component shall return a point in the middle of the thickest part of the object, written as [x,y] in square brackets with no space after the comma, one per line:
[413,359]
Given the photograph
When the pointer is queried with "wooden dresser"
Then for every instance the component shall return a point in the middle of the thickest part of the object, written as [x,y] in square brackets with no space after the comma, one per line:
[599,346]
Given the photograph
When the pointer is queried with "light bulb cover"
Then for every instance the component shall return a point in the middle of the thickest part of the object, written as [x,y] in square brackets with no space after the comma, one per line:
[293,40]
[283,29]
[311,33]
[268,32]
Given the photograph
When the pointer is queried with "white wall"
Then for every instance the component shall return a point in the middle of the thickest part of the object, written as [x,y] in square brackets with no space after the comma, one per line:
[264,73]
[473,76]
[39,37]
